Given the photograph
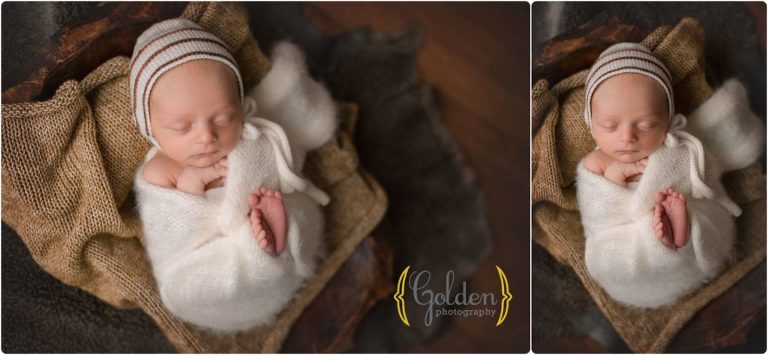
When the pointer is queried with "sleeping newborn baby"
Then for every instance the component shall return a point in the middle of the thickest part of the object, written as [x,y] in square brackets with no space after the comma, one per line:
[230,226]
[658,222]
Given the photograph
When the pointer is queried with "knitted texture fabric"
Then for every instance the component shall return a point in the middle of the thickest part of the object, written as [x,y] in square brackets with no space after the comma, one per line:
[68,166]
[162,47]
[563,139]
[622,58]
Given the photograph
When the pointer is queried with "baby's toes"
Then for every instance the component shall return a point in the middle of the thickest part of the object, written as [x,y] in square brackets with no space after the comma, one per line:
[253,200]
[255,218]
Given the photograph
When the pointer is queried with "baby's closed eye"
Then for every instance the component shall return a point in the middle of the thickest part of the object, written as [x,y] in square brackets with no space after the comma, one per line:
[224,120]
[179,128]
[608,125]
[648,125]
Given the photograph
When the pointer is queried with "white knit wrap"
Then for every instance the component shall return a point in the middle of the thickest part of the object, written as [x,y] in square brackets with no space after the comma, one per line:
[162,47]
[289,181]
[621,250]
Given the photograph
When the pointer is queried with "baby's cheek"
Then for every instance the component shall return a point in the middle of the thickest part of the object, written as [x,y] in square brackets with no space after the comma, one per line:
[658,139]
[231,141]
[604,141]
[652,144]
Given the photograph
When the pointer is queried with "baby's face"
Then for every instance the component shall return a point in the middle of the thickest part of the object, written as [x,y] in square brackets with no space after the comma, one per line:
[196,114]
[629,116]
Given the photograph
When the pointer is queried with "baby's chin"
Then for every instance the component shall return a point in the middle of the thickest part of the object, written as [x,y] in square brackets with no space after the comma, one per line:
[629,158]
[204,161]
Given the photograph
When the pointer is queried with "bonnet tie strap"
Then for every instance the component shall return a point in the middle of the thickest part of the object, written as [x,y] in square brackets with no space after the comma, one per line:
[676,137]
[275,135]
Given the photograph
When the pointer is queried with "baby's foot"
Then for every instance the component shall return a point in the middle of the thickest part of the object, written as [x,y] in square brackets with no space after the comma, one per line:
[264,236]
[268,220]
[677,212]
[661,224]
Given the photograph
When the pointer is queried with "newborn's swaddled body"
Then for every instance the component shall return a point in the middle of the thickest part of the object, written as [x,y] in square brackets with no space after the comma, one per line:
[209,268]
[622,252]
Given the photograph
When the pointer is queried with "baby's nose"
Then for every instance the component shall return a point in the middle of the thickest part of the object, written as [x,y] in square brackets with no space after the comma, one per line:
[627,134]
[206,134]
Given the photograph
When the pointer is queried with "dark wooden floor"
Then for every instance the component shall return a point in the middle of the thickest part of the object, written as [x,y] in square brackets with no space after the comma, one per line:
[758,11]
[477,56]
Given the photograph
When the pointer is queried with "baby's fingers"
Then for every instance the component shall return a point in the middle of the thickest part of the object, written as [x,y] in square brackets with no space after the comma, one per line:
[639,166]
[221,168]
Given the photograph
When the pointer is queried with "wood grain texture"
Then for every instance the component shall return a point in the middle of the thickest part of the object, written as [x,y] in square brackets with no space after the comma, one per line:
[577,51]
[74,51]
[476,56]
[328,326]
[728,320]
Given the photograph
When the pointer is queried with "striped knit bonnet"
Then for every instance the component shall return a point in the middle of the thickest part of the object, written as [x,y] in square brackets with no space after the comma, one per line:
[162,47]
[623,58]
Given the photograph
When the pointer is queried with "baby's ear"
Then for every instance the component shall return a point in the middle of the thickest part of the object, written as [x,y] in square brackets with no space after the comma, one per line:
[250,107]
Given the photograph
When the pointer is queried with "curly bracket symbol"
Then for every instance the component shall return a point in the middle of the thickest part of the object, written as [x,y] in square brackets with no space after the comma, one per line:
[506,297]
[399,296]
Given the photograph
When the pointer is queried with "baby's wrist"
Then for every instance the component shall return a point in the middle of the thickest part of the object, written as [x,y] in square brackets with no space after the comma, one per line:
[190,185]
[615,175]
[617,181]
[195,189]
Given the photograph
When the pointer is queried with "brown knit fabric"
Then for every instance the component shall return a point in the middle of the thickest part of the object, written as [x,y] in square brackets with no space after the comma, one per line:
[561,140]
[67,170]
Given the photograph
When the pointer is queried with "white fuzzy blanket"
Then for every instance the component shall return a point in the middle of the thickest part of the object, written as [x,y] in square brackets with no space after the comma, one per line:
[622,252]
[209,270]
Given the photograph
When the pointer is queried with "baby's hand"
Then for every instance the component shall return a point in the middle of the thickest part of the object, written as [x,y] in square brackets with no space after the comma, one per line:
[619,172]
[193,180]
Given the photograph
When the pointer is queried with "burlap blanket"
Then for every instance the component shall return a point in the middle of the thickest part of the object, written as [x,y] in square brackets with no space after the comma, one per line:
[67,171]
[561,139]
